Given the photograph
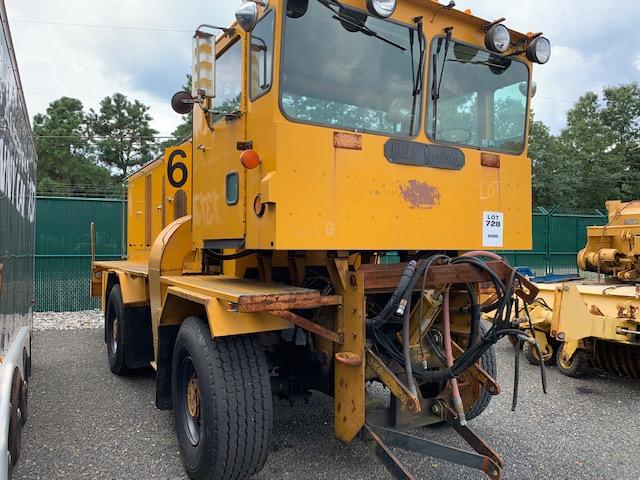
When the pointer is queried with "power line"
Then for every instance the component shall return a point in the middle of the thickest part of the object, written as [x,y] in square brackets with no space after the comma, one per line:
[31,92]
[556,99]
[101,137]
[115,27]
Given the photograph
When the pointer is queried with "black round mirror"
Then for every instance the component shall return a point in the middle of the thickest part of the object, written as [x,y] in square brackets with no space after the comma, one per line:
[352,20]
[297,8]
[182,102]
[498,65]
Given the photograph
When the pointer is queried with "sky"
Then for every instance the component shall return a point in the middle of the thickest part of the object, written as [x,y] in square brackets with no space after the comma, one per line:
[69,47]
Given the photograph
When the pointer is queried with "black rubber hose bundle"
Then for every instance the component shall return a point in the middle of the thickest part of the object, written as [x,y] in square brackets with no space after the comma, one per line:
[392,304]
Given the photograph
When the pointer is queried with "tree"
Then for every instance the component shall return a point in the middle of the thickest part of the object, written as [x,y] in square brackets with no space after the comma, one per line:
[65,163]
[185,129]
[123,137]
[596,157]
[554,176]
[622,115]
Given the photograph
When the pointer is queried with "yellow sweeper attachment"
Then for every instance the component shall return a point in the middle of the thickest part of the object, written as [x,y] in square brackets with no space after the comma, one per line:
[586,324]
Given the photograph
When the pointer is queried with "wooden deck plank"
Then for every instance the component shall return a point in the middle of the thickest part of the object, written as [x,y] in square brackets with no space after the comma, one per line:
[251,295]
[125,266]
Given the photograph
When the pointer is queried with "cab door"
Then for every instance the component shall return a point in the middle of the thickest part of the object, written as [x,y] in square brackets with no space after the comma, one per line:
[218,177]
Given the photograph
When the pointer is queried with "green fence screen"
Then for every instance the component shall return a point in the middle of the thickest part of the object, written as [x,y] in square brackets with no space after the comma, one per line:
[63,249]
[557,238]
[63,246]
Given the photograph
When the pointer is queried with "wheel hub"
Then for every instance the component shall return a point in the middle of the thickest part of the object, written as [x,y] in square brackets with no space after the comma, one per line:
[193,398]
[564,361]
[114,334]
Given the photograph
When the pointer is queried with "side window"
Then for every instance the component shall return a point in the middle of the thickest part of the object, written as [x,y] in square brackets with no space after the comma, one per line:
[261,57]
[510,107]
[228,81]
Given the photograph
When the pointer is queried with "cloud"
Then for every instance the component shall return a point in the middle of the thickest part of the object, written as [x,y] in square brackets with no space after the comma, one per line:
[92,62]
[590,48]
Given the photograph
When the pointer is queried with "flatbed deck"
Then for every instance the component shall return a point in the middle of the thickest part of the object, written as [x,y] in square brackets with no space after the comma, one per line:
[252,295]
[141,269]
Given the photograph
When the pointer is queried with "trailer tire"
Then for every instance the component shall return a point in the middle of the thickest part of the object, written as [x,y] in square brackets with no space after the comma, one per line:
[531,354]
[578,367]
[15,420]
[490,365]
[23,402]
[114,323]
[223,411]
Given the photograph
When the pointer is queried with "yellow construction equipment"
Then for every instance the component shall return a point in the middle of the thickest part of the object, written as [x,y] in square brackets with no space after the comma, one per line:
[594,322]
[326,133]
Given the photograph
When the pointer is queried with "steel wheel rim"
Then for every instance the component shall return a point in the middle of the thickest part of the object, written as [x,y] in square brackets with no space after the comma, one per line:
[545,356]
[561,362]
[114,334]
[190,404]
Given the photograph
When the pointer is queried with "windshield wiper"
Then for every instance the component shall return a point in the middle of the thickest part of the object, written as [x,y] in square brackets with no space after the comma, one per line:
[437,82]
[354,22]
[479,62]
[417,75]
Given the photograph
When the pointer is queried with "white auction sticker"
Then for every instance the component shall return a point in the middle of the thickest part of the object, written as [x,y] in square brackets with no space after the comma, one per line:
[492,229]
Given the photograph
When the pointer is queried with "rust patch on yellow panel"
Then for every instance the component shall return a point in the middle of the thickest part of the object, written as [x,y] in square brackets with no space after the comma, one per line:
[490,160]
[350,141]
[420,194]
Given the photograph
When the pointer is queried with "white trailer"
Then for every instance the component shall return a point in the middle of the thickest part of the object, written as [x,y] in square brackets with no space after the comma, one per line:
[17,215]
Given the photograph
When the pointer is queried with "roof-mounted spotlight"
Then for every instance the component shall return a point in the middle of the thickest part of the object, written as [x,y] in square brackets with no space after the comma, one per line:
[381,8]
[247,14]
[539,50]
[497,37]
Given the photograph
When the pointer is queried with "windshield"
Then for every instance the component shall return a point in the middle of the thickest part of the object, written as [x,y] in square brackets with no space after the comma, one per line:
[482,100]
[335,74]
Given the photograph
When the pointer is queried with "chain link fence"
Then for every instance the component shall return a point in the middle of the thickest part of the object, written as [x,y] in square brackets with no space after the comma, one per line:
[558,236]
[63,248]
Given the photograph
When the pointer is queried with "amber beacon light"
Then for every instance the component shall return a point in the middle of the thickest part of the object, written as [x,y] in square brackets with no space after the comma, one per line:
[250,159]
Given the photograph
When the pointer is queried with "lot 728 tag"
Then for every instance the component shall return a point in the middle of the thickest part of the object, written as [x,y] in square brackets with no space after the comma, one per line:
[492,229]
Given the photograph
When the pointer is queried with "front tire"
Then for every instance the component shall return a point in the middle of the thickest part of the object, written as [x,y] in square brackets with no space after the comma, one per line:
[223,410]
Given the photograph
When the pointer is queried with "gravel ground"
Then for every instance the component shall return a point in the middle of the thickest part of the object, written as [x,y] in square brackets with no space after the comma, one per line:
[67,320]
[85,423]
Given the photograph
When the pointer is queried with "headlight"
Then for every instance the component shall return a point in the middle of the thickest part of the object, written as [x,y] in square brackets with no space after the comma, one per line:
[247,16]
[539,50]
[498,38]
[381,8]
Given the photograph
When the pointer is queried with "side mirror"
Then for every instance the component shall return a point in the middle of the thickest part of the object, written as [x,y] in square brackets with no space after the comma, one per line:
[182,102]
[203,65]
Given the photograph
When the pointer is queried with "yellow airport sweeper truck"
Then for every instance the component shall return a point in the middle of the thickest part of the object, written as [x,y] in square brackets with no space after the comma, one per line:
[325,133]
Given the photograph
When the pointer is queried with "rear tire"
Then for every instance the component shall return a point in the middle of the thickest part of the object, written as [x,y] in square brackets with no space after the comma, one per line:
[114,320]
[578,367]
[223,410]
[489,364]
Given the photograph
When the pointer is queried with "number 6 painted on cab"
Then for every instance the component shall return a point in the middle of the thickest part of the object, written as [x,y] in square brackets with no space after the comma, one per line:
[172,167]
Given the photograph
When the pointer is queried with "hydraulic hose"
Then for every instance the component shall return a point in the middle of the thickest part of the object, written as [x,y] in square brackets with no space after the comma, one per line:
[406,351]
[448,351]
[397,295]
[483,253]
[474,332]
